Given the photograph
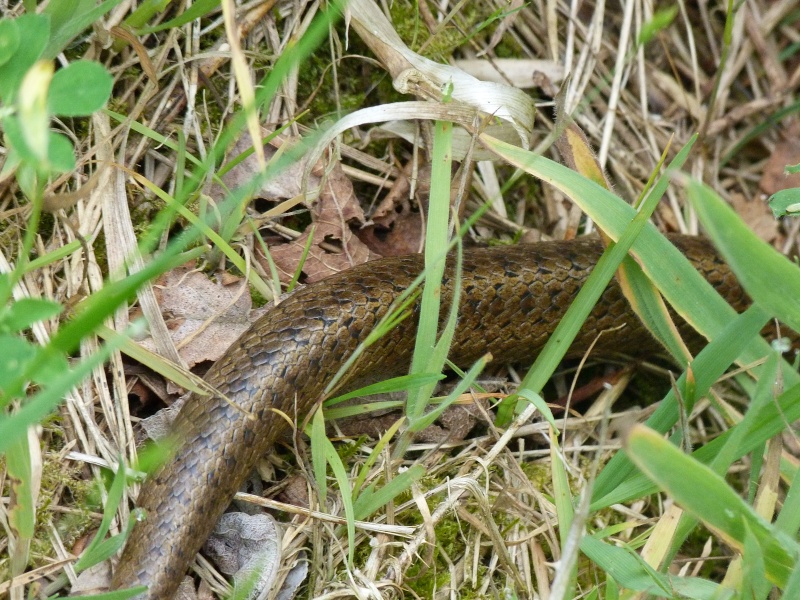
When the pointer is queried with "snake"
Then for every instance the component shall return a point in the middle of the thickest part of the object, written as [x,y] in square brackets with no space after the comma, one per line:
[511,299]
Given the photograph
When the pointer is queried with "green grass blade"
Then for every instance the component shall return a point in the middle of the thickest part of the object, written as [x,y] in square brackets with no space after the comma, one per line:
[562,494]
[770,278]
[395,384]
[788,519]
[159,364]
[54,256]
[13,426]
[323,453]
[340,473]
[365,469]
[21,510]
[631,572]
[99,548]
[466,381]
[318,461]
[618,481]
[427,353]
[370,500]
[566,330]
[706,495]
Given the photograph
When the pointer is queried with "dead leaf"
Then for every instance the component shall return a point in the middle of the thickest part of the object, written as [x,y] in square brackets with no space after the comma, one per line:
[204,317]
[246,546]
[758,216]
[397,224]
[334,247]
[397,227]
[295,491]
[787,152]
[286,184]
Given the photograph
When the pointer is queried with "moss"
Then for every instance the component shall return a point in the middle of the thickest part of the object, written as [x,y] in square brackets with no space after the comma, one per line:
[72,525]
[76,494]
[426,579]
[347,451]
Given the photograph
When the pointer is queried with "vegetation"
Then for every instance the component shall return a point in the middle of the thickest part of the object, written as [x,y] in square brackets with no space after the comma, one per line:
[110,110]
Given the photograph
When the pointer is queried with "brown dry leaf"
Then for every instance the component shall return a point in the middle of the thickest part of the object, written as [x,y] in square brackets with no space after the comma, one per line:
[787,152]
[396,227]
[286,184]
[93,580]
[758,217]
[453,425]
[334,247]
[247,547]
[204,317]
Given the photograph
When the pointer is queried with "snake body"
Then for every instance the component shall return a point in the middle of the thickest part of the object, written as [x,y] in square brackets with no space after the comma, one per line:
[511,300]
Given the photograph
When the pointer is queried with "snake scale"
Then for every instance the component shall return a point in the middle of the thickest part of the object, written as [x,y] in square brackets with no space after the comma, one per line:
[511,300]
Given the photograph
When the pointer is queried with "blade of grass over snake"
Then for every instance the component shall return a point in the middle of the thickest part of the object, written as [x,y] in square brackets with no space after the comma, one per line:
[686,291]
[559,342]
[638,289]
[757,265]
[566,330]
[430,353]
[640,292]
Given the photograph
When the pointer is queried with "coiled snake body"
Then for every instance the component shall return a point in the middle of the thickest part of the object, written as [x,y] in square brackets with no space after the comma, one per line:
[512,298]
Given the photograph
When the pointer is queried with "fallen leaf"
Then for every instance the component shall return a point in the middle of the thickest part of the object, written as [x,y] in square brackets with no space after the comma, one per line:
[246,546]
[334,247]
[204,317]
[758,216]
[284,185]
[396,227]
[774,177]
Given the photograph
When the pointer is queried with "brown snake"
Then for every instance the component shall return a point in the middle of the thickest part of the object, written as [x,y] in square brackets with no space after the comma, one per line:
[512,299]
